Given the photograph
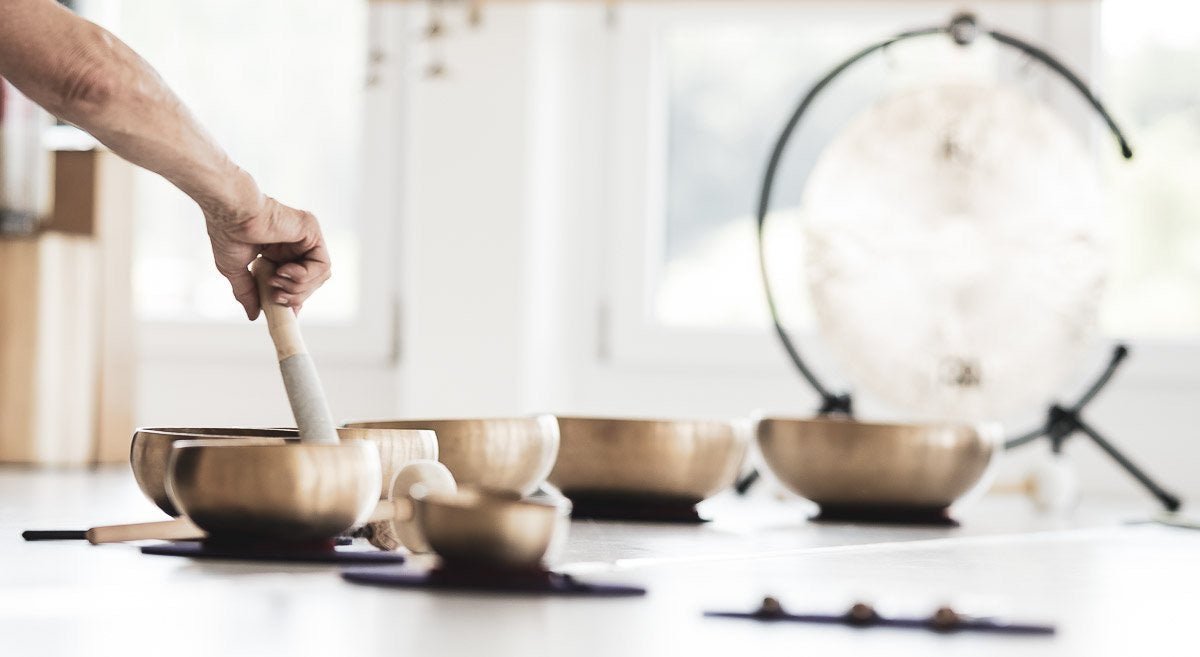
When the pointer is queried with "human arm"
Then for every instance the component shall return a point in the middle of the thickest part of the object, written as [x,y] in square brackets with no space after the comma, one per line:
[86,76]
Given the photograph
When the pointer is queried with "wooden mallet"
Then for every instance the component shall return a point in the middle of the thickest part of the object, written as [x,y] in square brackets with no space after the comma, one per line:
[305,393]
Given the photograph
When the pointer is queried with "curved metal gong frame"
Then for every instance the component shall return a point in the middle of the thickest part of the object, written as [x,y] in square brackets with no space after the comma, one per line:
[963,29]
[1062,422]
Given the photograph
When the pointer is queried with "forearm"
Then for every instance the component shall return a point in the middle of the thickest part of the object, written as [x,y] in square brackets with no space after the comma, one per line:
[86,76]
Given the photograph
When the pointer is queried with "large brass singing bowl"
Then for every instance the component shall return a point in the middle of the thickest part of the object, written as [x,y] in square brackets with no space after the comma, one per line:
[397,448]
[487,529]
[665,460]
[503,454]
[150,451]
[151,448]
[848,465]
[279,491]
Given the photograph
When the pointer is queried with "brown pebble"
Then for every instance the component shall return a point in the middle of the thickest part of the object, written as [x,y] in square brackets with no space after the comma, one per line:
[945,619]
[861,614]
[770,608]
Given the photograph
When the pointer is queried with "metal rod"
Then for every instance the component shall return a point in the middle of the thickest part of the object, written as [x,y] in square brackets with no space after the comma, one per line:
[1169,501]
[1057,66]
[54,534]
[1119,354]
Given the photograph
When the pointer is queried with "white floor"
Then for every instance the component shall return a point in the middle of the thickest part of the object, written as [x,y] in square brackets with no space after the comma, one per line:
[1111,587]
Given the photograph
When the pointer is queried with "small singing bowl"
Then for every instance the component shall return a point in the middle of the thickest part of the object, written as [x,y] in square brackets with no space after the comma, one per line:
[489,529]
[272,489]
[150,451]
[671,461]
[500,454]
[903,469]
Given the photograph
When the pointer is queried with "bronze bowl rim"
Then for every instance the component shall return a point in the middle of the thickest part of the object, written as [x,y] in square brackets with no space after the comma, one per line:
[655,420]
[373,424]
[483,498]
[879,428]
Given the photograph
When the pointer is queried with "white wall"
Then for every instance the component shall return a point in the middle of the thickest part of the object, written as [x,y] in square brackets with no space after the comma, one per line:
[504,254]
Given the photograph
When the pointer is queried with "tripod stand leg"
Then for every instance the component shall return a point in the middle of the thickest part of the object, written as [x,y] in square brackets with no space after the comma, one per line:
[743,485]
[1168,500]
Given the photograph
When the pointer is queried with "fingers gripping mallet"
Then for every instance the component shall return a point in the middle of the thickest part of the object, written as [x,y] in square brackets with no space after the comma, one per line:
[304,391]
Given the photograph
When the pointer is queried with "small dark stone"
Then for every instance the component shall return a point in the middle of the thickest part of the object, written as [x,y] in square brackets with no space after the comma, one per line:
[861,614]
[770,608]
[945,619]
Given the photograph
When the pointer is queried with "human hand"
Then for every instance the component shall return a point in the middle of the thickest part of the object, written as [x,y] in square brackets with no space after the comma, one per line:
[288,237]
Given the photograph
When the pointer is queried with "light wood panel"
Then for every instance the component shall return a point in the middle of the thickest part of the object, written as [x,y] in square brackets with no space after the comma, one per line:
[113,218]
[48,359]
[19,270]
[66,325]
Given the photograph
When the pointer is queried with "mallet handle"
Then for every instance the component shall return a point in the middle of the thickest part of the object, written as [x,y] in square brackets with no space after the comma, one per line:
[300,379]
[167,530]
[398,510]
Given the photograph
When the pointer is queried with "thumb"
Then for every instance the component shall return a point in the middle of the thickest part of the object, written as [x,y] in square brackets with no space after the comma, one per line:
[245,290]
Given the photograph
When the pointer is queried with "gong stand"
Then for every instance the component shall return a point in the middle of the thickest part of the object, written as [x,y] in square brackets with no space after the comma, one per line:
[1062,422]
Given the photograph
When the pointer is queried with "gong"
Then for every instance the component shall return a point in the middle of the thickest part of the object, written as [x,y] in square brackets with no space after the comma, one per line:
[955,253]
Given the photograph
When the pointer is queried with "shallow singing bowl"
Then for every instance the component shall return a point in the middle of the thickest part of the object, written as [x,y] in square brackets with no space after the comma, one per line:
[274,490]
[658,460]
[502,454]
[487,528]
[151,448]
[847,464]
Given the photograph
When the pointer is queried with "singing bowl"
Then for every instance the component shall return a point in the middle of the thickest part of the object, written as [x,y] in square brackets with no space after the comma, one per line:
[273,489]
[487,528]
[397,528]
[397,448]
[501,454]
[846,464]
[150,451]
[660,460]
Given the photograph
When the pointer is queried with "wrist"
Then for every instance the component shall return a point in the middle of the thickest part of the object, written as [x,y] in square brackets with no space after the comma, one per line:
[233,197]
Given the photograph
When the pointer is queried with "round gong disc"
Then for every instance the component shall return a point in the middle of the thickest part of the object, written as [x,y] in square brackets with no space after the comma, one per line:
[955,252]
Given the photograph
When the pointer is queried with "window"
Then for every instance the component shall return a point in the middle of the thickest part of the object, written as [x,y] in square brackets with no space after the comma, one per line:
[729,89]
[1151,59]
[280,85]
[283,86]
[698,123]
[723,79]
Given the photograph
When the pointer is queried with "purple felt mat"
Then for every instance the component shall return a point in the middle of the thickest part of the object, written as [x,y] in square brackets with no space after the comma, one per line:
[527,583]
[637,509]
[287,554]
[886,515]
